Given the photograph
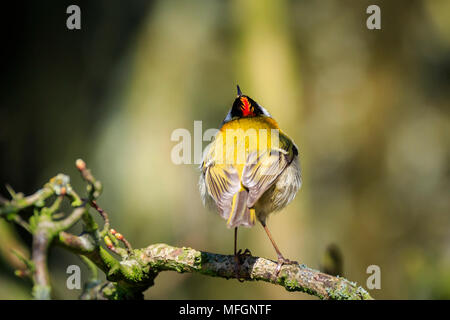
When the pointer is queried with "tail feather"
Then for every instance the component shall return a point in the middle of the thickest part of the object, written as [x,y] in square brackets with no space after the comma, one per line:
[240,214]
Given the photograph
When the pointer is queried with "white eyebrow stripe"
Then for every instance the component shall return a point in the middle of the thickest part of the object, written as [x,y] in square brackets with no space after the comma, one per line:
[266,113]
[228,117]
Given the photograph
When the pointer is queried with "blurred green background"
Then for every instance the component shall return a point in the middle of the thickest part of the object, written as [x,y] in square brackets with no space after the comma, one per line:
[369,111]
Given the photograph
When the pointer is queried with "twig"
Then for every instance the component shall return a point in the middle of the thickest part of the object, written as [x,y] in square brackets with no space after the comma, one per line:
[120,237]
[41,279]
[110,245]
[109,235]
[94,187]
[18,219]
[70,220]
[103,214]
[92,268]
[19,203]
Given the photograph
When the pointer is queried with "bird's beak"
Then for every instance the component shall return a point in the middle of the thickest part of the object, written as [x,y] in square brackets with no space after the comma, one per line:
[239,92]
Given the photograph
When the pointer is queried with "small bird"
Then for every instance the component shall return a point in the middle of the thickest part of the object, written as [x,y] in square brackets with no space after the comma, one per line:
[249,170]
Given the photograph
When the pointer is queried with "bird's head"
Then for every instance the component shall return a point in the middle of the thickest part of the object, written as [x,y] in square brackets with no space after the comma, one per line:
[244,107]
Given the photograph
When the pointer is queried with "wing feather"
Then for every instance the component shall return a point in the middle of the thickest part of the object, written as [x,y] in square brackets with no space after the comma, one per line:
[261,171]
[222,182]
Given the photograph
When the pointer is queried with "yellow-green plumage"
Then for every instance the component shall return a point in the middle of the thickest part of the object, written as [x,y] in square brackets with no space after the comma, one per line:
[249,170]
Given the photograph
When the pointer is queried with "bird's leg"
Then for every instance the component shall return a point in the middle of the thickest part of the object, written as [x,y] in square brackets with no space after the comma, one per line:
[237,265]
[238,255]
[235,241]
[281,260]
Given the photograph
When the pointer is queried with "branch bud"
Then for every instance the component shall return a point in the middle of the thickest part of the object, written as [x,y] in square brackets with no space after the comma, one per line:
[108,242]
[80,164]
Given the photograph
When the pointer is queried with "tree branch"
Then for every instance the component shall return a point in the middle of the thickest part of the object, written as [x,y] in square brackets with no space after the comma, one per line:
[41,278]
[145,264]
[136,270]
[292,277]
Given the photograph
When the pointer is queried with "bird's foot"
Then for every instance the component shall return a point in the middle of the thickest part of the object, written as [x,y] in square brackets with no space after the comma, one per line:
[245,253]
[238,257]
[282,261]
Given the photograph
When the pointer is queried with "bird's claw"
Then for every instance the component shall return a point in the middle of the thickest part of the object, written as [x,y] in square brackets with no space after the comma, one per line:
[246,253]
[282,261]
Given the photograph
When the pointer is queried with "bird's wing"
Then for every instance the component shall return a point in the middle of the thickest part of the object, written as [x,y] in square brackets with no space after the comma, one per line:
[262,170]
[222,183]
